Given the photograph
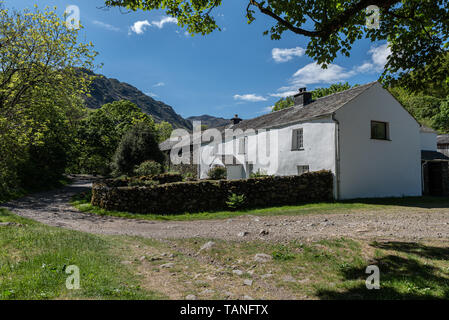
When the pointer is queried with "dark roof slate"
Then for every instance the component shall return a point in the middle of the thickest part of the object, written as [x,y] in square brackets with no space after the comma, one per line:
[317,108]
[433,155]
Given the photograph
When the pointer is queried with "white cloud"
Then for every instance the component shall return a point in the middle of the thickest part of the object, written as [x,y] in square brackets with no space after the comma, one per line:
[284,55]
[283,94]
[151,94]
[379,58]
[159,84]
[139,27]
[379,55]
[312,73]
[164,20]
[106,26]
[249,97]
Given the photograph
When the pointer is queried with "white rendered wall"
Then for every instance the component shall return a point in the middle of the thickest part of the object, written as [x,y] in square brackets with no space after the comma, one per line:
[276,156]
[376,168]
[428,141]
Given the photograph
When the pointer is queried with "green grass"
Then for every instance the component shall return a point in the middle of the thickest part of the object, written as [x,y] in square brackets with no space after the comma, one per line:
[335,269]
[33,258]
[82,203]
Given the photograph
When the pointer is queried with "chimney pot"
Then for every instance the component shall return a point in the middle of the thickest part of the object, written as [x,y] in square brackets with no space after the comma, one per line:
[303,97]
[236,119]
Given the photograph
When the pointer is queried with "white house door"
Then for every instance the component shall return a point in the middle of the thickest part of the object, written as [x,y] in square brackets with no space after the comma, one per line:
[235,172]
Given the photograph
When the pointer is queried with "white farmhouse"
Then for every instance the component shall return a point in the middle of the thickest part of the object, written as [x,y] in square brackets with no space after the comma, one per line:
[363,135]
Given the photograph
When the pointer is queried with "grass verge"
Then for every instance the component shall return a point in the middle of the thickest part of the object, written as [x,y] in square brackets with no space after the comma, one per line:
[34,257]
[82,203]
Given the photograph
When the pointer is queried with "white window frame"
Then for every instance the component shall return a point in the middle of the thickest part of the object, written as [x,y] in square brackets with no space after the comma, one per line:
[297,139]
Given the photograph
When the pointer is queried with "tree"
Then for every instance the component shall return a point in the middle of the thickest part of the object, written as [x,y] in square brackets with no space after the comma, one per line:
[139,144]
[416,30]
[164,130]
[317,93]
[441,119]
[39,95]
[283,103]
[334,88]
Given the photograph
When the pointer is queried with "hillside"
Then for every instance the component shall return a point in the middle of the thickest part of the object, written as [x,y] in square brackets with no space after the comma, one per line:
[210,121]
[105,90]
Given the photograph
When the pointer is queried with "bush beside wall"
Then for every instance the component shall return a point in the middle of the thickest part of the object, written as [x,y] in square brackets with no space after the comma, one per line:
[206,195]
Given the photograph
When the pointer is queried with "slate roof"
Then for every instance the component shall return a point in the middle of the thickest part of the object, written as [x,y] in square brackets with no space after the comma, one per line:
[317,108]
[426,129]
[443,139]
[433,155]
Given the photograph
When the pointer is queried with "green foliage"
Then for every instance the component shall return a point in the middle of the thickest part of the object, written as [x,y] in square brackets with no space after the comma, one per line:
[148,168]
[236,201]
[164,130]
[441,119]
[423,107]
[40,91]
[283,103]
[217,173]
[333,88]
[258,174]
[137,145]
[416,30]
[99,135]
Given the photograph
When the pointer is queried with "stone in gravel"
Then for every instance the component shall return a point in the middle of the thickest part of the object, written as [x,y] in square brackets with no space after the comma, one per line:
[263,232]
[289,279]
[167,265]
[248,282]
[142,258]
[207,291]
[10,224]
[207,246]
[243,234]
[262,257]
[268,275]
[191,297]
[154,258]
[245,297]
[237,272]
[251,272]
[126,262]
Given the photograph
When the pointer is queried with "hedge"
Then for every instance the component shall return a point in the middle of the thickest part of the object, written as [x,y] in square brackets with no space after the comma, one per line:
[207,195]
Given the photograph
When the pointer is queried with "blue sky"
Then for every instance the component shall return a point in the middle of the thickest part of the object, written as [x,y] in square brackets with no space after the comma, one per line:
[235,71]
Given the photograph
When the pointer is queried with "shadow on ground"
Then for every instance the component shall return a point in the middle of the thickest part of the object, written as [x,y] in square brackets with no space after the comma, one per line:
[428,202]
[405,273]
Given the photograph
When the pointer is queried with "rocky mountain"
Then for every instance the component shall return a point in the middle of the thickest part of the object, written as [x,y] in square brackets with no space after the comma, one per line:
[105,90]
[210,121]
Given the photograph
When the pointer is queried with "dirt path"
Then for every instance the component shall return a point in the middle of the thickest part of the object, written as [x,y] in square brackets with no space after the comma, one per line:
[408,223]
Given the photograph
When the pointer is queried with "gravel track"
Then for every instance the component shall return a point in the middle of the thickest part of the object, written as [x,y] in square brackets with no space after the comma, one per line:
[404,224]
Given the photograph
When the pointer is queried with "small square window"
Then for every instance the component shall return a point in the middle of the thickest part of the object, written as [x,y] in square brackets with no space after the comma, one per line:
[379,130]
[303,169]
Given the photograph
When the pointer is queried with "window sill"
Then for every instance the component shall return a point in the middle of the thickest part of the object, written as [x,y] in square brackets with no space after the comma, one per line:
[300,149]
[380,139]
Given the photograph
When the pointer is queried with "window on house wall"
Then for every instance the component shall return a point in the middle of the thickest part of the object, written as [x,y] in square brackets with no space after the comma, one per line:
[303,169]
[242,145]
[379,130]
[297,139]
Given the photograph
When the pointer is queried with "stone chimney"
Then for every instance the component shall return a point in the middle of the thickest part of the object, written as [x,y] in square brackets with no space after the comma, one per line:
[236,119]
[303,97]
